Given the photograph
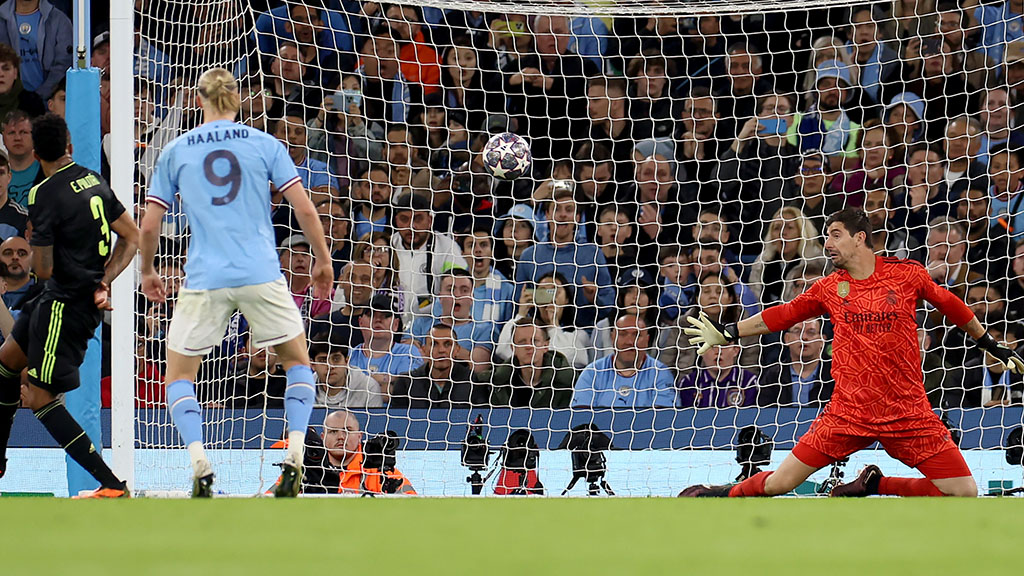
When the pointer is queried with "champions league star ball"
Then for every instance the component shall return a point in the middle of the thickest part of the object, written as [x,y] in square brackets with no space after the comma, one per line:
[507,156]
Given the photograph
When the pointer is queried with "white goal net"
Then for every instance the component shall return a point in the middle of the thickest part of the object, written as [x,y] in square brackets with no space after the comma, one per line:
[685,158]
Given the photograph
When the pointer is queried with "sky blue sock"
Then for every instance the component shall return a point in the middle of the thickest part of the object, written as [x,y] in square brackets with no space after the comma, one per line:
[181,398]
[299,397]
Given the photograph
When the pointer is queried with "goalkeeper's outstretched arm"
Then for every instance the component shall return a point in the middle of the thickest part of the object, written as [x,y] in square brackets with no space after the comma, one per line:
[707,333]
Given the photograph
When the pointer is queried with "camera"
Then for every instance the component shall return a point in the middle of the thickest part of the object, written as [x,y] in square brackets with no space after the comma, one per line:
[475,454]
[753,450]
[587,444]
[379,454]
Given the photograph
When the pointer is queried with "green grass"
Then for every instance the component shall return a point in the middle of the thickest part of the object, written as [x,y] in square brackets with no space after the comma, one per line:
[514,536]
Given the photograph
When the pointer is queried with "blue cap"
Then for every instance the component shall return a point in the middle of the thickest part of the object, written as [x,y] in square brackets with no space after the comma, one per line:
[523,212]
[833,69]
[911,100]
[635,276]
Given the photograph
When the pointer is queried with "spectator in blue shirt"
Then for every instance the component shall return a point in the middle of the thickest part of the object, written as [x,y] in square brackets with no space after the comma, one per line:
[453,306]
[25,169]
[629,378]
[291,131]
[1001,23]
[717,382]
[379,354]
[581,263]
[589,39]
[493,294]
[328,30]
[42,37]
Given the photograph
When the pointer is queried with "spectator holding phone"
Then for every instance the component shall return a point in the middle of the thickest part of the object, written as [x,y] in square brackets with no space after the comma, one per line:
[549,305]
[753,171]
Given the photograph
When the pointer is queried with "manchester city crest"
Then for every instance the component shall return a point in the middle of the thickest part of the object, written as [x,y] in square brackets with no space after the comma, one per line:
[843,289]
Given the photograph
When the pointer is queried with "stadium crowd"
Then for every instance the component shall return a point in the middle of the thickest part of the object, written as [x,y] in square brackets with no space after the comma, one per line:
[680,164]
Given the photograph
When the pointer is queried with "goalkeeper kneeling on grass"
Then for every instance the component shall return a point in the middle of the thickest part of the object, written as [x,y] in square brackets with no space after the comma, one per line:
[334,462]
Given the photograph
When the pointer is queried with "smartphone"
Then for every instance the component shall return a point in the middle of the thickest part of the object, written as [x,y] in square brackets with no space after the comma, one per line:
[343,98]
[544,296]
[773,127]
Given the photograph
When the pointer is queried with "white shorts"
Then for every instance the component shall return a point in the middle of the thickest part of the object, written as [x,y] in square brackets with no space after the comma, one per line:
[201,317]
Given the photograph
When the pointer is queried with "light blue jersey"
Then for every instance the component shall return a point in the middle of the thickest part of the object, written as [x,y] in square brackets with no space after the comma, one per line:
[221,172]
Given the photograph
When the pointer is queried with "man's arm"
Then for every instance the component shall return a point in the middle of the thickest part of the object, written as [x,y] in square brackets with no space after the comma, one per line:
[149,237]
[309,222]
[125,247]
[708,333]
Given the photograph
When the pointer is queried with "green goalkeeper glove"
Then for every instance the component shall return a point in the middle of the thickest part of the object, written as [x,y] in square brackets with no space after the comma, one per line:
[707,333]
[1010,359]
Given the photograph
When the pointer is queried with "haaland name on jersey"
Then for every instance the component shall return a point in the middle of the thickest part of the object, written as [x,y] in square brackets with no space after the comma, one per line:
[220,136]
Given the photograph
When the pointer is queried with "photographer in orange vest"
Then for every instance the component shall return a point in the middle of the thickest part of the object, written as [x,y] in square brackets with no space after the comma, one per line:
[334,461]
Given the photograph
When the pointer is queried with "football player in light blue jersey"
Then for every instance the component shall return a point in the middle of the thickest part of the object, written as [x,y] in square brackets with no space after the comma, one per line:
[221,173]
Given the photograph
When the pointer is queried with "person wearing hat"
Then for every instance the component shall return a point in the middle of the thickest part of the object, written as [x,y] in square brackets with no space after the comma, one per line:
[296,265]
[514,232]
[904,118]
[423,253]
[42,35]
[827,126]
[379,354]
[101,51]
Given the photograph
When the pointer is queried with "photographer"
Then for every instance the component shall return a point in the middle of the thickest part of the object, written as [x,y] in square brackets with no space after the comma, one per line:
[334,462]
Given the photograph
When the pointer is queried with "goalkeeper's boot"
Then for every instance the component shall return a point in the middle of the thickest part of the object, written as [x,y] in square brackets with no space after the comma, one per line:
[866,484]
[202,486]
[103,493]
[290,482]
[202,479]
[705,491]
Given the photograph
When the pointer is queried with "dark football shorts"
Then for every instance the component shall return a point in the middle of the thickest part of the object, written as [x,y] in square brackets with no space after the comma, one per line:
[54,333]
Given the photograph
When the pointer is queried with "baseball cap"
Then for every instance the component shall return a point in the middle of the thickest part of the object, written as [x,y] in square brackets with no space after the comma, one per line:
[100,39]
[911,100]
[382,303]
[293,241]
[833,69]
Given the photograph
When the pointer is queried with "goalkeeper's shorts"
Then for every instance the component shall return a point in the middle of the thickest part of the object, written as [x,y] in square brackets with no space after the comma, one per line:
[924,443]
[201,317]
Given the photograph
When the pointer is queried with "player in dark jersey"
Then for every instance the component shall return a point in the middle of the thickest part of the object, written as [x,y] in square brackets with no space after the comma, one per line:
[879,393]
[73,213]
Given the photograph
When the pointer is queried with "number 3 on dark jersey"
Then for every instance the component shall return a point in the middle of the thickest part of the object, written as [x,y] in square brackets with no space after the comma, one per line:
[96,204]
[233,178]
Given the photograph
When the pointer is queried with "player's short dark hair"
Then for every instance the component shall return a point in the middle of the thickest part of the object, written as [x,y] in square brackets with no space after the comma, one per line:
[854,220]
[50,137]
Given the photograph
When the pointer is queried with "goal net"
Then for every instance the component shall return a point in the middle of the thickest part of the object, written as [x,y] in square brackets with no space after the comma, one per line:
[685,156]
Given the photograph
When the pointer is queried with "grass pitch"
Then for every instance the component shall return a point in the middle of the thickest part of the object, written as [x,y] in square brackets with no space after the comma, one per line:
[511,536]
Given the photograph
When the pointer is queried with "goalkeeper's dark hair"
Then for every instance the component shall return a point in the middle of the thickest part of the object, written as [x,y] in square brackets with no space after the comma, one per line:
[854,220]
[50,137]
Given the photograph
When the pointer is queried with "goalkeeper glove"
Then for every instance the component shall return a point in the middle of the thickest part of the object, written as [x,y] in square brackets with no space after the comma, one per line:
[1010,359]
[707,333]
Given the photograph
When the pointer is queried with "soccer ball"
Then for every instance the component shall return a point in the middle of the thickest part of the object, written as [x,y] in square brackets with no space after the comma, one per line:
[507,156]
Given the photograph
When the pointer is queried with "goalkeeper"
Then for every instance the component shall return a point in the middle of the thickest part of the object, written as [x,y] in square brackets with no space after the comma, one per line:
[879,395]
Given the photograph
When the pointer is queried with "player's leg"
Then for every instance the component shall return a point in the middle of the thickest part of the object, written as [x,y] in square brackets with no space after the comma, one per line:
[59,333]
[200,318]
[928,448]
[12,362]
[826,441]
[275,321]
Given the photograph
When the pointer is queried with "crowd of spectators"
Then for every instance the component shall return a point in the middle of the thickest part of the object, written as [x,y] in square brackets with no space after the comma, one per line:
[680,164]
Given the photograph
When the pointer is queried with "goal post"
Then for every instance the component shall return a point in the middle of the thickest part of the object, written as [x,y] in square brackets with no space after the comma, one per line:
[700,152]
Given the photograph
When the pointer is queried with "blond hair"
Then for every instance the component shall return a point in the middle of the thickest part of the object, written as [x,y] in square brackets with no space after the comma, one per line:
[219,89]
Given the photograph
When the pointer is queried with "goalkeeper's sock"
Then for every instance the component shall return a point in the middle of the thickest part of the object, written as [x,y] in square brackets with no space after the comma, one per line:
[66,431]
[298,406]
[890,486]
[10,399]
[753,486]
[181,398]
